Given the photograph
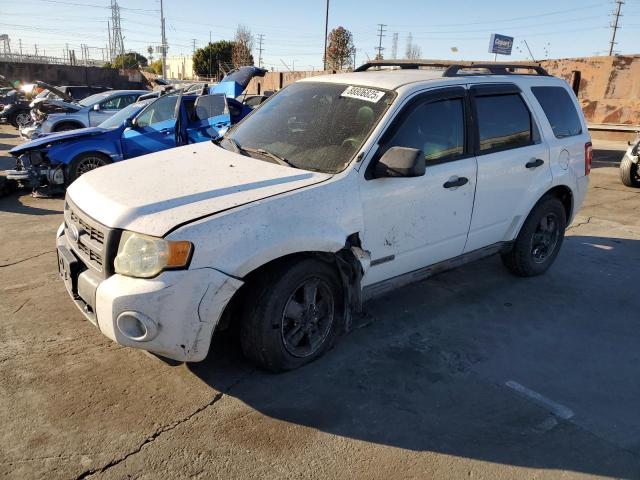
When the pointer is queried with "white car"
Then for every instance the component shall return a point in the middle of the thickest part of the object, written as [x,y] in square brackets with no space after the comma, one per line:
[336,189]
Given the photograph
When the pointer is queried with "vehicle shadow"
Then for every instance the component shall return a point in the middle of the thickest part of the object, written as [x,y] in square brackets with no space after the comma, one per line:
[21,202]
[427,369]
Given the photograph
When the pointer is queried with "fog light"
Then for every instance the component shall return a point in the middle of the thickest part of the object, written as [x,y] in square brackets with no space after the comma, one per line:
[136,326]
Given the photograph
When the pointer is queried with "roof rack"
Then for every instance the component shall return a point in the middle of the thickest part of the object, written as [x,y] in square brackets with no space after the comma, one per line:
[495,68]
[453,69]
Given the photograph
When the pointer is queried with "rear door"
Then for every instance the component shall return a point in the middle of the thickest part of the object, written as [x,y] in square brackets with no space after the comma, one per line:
[209,116]
[154,128]
[513,163]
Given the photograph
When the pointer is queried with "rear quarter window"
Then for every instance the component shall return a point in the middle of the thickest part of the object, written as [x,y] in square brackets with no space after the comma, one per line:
[559,110]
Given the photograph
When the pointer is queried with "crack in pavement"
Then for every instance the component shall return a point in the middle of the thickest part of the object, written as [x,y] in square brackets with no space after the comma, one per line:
[20,307]
[28,258]
[580,224]
[167,428]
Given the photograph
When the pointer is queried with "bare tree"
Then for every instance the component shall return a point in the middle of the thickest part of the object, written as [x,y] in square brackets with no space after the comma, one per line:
[412,51]
[242,46]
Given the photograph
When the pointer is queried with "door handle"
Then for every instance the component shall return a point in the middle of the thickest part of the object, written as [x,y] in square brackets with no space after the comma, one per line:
[460,181]
[166,131]
[536,162]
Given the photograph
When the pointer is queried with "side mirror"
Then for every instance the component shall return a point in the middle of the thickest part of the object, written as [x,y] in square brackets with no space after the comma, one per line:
[96,107]
[401,162]
[130,123]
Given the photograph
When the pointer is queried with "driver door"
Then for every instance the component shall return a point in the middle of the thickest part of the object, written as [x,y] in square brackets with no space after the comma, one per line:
[110,107]
[154,129]
[411,223]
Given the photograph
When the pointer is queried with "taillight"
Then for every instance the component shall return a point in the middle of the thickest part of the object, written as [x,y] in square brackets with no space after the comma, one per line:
[588,156]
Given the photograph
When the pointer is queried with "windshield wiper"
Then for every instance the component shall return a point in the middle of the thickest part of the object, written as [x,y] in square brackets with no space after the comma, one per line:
[266,153]
[236,146]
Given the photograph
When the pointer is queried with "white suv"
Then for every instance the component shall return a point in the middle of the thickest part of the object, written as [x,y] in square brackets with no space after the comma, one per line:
[336,189]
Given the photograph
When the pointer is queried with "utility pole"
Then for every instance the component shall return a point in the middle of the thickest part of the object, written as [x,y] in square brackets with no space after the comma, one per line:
[326,34]
[615,26]
[164,42]
[193,40]
[110,45]
[381,31]
[117,41]
[260,39]
[210,53]
[20,45]
[394,46]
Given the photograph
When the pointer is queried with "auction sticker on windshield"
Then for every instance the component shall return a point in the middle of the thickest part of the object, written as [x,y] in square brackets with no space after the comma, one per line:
[367,94]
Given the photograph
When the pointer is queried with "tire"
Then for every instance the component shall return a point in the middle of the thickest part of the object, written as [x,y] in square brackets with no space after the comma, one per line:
[20,117]
[66,126]
[629,173]
[284,324]
[539,241]
[85,163]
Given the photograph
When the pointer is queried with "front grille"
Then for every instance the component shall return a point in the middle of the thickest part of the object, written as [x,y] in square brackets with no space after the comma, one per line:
[94,243]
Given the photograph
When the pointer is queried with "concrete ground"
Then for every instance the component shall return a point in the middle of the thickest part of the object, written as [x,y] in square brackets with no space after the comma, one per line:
[473,373]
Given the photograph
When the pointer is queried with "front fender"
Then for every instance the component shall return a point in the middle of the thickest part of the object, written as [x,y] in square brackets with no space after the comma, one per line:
[65,153]
[319,218]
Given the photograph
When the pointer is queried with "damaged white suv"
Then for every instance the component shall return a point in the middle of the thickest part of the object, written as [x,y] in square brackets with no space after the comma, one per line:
[338,188]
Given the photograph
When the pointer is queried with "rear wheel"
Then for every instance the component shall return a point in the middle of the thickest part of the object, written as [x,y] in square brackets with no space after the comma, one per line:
[629,173]
[292,316]
[539,241]
[85,163]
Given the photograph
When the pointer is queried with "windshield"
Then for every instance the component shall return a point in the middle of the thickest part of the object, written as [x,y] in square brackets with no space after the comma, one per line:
[95,98]
[116,120]
[313,126]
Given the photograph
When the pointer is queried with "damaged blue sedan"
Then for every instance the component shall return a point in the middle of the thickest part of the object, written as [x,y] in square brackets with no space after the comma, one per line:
[52,162]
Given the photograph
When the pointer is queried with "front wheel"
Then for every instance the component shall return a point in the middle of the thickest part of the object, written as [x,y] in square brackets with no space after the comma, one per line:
[21,118]
[539,241]
[292,315]
[85,163]
[629,174]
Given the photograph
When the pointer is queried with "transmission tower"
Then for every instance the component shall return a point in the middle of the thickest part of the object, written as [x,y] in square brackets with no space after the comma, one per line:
[260,40]
[116,46]
[394,46]
[379,48]
[615,26]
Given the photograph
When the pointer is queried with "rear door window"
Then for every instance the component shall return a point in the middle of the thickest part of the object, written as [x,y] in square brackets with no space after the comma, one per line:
[560,110]
[504,122]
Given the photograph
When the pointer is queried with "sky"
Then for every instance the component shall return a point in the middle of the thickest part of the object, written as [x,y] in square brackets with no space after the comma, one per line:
[294,30]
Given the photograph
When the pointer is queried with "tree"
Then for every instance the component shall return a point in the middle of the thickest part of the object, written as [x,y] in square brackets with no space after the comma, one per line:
[340,48]
[156,67]
[129,60]
[242,46]
[207,60]
[412,51]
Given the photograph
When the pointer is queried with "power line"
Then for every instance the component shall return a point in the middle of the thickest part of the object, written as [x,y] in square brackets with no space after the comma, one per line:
[615,26]
[381,31]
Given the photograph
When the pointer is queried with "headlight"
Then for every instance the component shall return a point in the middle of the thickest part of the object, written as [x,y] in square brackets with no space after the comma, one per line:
[143,256]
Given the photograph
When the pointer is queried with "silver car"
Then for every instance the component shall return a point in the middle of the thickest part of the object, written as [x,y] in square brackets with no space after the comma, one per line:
[88,112]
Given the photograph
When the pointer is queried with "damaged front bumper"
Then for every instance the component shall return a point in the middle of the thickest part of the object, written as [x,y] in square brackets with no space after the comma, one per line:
[36,172]
[172,315]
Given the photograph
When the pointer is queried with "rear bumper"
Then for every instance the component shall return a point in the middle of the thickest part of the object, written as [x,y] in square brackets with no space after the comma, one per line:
[579,195]
[179,309]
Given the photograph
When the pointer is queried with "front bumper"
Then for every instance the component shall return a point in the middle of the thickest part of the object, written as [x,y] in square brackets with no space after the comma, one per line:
[180,309]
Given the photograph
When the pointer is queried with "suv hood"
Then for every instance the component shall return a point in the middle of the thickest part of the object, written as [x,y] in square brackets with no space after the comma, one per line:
[154,193]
